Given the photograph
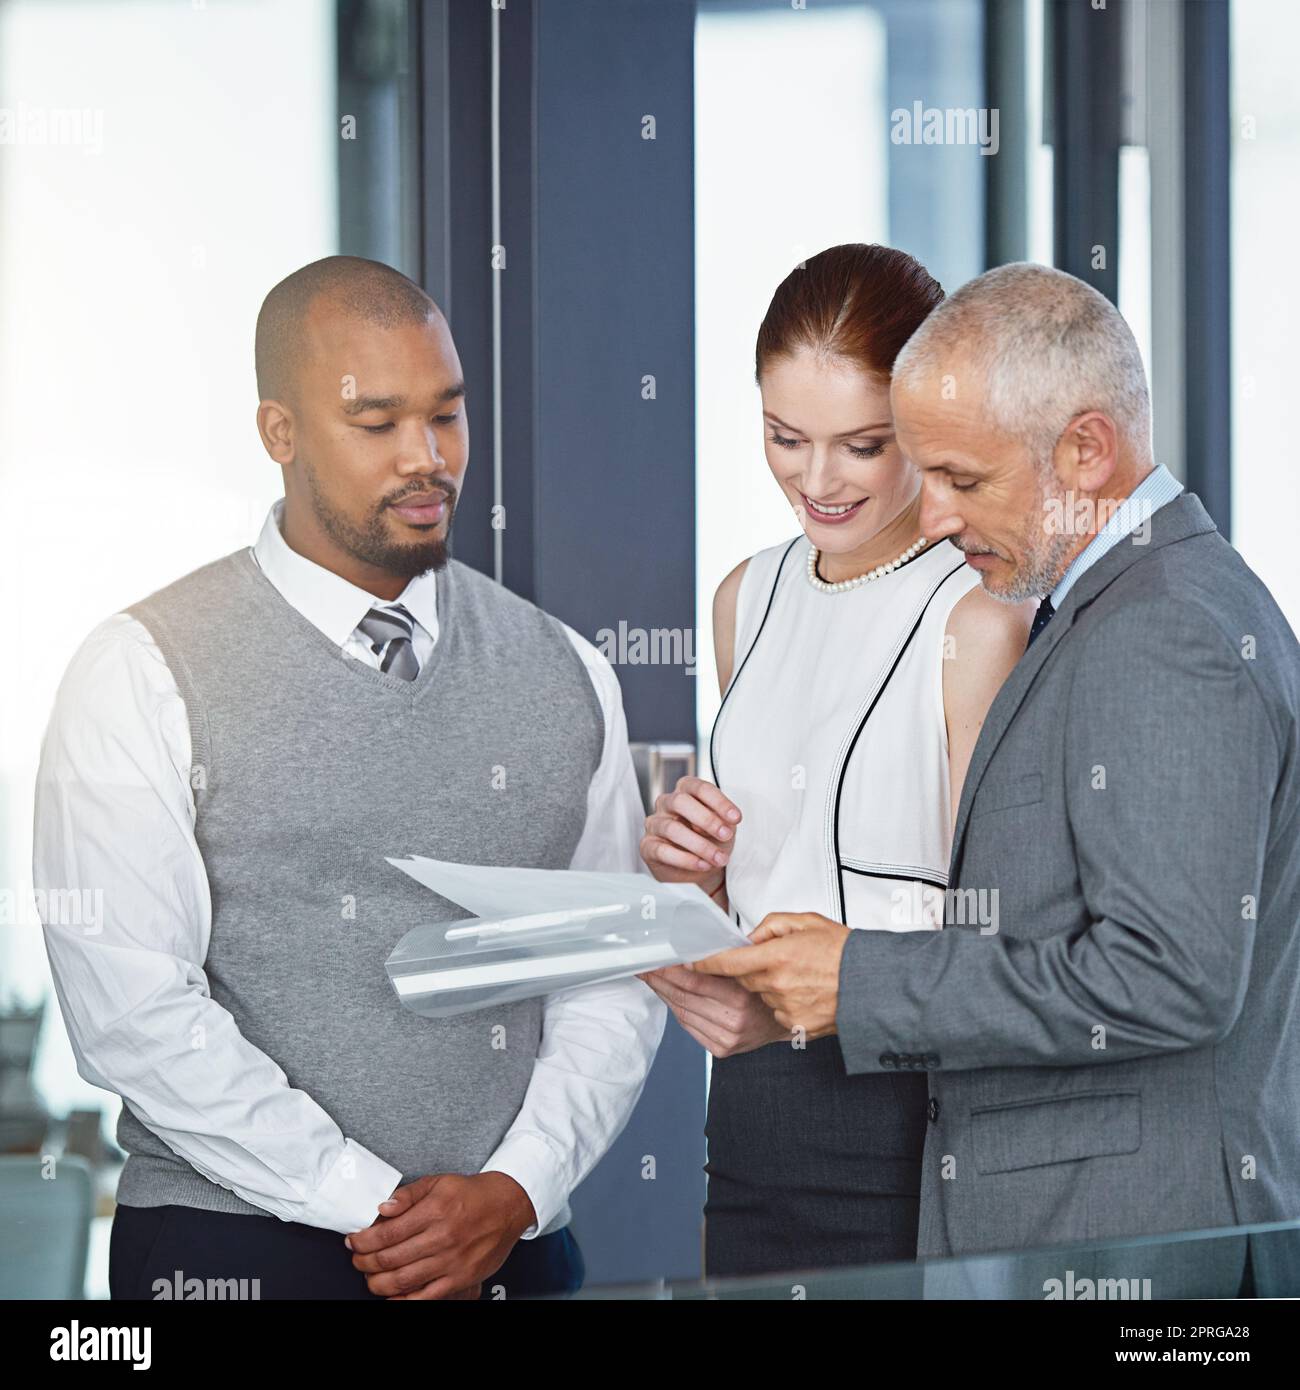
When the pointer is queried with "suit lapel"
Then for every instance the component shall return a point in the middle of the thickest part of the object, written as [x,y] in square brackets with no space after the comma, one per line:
[1178,519]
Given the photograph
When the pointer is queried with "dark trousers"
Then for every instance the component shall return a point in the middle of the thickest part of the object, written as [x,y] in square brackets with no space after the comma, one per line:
[173,1244]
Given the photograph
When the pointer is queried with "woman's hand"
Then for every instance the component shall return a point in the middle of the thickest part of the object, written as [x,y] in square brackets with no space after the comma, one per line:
[720,1014]
[689,834]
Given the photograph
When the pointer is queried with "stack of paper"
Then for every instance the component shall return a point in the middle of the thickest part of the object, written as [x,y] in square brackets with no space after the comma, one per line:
[540,930]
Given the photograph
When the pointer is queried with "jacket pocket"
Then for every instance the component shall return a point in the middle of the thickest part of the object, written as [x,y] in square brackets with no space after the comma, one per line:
[1029,1134]
[1001,795]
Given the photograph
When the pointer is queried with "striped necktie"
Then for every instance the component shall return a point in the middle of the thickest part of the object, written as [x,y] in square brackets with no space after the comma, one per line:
[388,631]
[1044,616]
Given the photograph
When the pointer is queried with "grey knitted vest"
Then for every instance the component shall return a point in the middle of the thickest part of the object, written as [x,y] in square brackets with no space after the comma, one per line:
[310,767]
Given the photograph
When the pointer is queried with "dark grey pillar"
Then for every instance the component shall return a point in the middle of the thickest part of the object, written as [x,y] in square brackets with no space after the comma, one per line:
[1085,106]
[598,462]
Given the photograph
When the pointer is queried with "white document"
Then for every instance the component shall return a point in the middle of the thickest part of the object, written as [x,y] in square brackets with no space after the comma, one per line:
[539,930]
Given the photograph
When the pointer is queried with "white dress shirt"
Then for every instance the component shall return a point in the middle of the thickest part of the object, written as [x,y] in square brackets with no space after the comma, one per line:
[114,811]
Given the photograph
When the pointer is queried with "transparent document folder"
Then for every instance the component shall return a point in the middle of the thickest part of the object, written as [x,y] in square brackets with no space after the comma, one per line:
[539,930]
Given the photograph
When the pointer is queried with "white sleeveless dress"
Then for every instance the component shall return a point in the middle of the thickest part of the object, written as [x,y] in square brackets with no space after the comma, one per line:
[832,740]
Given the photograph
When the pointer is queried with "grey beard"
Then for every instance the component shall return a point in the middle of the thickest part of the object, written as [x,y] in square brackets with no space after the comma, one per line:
[1045,555]
[1041,572]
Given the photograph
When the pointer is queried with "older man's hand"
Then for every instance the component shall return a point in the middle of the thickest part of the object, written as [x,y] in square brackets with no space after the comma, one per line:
[793,966]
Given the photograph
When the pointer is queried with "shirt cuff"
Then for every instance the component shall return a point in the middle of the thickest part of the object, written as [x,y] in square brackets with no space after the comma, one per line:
[528,1160]
[349,1195]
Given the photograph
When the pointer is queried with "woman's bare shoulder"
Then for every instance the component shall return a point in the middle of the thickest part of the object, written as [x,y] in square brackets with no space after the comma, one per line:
[986,622]
[724,600]
[724,622]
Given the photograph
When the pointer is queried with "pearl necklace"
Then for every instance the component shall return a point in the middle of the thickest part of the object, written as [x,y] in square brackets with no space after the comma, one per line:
[879,572]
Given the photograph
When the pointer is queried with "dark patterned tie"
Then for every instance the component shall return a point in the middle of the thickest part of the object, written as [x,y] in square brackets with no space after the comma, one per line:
[388,630]
[1041,619]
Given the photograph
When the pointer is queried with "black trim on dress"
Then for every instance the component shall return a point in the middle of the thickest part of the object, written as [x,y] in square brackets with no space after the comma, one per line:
[899,878]
[731,685]
[848,756]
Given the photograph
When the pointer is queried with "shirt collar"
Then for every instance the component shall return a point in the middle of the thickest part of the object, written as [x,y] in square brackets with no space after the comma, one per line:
[327,600]
[1158,487]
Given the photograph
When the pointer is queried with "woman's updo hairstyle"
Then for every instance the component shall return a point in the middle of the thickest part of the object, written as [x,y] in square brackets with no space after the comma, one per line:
[858,301]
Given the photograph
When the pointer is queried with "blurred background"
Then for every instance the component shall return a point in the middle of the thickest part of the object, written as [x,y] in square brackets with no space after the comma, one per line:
[602,195]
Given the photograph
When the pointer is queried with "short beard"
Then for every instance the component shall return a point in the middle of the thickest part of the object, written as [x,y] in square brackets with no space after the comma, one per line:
[1045,552]
[372,543]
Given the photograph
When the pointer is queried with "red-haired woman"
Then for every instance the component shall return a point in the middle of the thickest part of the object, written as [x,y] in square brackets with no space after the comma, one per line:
[857,663]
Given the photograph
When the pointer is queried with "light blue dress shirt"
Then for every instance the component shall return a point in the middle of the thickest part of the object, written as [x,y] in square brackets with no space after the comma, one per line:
[1158,487]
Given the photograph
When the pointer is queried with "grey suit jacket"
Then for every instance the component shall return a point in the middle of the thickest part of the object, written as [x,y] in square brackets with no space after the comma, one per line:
[1121,1056]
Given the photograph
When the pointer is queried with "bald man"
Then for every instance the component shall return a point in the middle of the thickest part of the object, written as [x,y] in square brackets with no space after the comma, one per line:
[1110,1018]
[231,761]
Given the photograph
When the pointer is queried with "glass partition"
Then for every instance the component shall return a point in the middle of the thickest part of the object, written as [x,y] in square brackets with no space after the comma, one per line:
[1242,1261]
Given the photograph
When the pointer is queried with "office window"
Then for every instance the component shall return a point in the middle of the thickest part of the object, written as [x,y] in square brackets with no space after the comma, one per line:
[162,166]
[1038,164]
[793,121]
[134,253]
[1265,304]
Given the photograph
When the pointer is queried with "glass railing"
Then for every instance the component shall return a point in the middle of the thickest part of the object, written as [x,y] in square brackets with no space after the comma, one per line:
[1230,1262]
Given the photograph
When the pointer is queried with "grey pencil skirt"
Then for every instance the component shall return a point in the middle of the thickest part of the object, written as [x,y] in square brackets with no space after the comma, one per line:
[809,1167]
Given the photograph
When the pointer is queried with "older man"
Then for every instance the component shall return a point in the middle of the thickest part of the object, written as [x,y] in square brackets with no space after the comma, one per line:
[1109,1019]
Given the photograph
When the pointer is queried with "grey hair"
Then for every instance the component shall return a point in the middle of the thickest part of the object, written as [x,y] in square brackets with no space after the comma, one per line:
[1050,347]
